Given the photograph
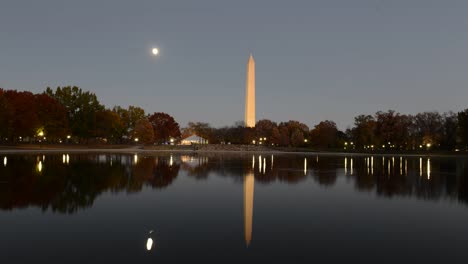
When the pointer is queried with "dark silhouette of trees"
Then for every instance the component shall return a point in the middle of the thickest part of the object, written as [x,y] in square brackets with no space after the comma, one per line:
[324,135]
[164,126]
[392,128]
[363,133]
[463,127]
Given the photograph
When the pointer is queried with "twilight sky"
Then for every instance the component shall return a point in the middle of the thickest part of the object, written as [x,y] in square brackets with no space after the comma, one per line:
[315,59]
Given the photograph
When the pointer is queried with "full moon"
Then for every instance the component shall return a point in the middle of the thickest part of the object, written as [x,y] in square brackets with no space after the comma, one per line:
[155,51]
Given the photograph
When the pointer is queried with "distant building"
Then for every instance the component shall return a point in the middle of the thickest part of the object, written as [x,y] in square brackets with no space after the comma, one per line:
[193,139]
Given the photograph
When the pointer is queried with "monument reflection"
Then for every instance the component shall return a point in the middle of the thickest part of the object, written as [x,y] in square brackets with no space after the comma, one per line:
[249,182]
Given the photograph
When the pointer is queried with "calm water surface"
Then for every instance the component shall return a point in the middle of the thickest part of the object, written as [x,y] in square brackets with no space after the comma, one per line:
[242,208]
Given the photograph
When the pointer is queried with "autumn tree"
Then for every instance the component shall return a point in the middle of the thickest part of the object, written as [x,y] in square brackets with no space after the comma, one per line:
[109,125]
[143,131]
[264,129]
[290,128]
[164,126]
[25,122]
[52,116]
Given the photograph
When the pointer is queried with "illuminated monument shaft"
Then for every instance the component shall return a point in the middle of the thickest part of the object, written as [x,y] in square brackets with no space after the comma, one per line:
[248,206]
[250,94]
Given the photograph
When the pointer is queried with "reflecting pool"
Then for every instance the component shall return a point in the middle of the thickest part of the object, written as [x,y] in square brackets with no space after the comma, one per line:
[237,208]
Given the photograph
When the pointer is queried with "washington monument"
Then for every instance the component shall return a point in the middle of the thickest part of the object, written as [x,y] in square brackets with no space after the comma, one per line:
[250,94]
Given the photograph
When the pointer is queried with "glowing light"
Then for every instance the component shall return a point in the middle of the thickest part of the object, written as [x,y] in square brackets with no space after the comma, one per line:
[171,161]
[260,164]
[68,137]
[64,159]
[305,166]
[39,166]
[149,244]
[420,167]
[428,145]
[271,161]
[135,158]
[401,166]
[372,165]
[428,169]
[351,166]
[253,142]
[264,165]
[155,51]
[41,133]
[406,166]
[346,165]
[68,159]
[253,162]
[305,140]
[136,139]
[5,160]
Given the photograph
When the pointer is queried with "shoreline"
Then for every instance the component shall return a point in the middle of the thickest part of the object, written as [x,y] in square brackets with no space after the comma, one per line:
[139,150]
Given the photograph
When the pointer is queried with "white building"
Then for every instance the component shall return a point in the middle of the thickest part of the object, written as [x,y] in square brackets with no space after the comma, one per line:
[193,139]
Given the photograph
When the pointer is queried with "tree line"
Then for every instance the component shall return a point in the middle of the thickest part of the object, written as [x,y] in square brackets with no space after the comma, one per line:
[69,114]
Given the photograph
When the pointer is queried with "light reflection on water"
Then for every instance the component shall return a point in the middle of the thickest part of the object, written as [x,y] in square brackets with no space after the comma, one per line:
[292,190]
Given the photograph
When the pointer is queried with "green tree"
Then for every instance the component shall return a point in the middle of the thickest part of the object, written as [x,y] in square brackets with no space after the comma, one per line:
[81,107]
[129,117]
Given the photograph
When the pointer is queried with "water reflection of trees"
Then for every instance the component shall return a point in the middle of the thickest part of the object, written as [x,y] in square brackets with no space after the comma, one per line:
[66,188]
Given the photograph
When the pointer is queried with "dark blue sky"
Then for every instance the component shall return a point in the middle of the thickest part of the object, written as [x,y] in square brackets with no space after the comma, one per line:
[315,60]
